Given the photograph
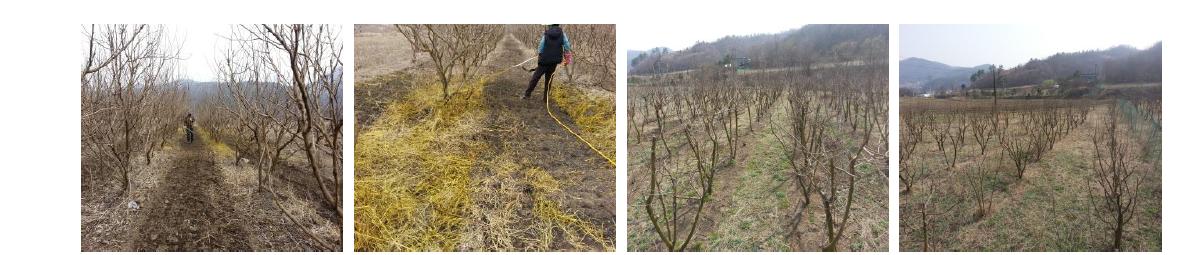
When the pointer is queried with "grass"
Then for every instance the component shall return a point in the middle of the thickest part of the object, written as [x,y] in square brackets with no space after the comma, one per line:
[757,203]
[760,203]
[1047,210]
[594,113]
[219,148]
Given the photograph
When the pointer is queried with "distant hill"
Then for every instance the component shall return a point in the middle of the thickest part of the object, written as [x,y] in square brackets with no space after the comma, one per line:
[651,55]
[798,47]
[196,91]
[925,74]
[1121,64]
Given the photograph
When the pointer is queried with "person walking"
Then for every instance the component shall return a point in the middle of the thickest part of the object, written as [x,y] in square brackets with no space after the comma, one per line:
[189,121]
[552,50]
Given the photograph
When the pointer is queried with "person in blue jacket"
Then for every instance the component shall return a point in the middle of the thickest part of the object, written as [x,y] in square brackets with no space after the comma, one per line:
[552,48]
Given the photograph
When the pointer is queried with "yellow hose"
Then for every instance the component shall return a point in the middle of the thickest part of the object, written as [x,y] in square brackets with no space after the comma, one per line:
[556,120]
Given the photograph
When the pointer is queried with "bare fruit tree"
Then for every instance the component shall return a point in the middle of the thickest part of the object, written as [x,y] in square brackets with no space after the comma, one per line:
[456,51]
[305,60]
[259,106]
[976,177]
[281,86]
[128,82]
[825,166]
[594,48]
[1115,173]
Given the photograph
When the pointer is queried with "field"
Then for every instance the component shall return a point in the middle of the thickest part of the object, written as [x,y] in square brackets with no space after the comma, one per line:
[478,168]
[759,161]
[1032,174]
[239,185]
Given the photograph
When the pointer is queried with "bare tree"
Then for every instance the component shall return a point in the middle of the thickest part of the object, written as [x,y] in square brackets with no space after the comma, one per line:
[1115,172]
[128,78]
[981,129]
[305,59]
[454,50]
[1018,149]
[282,84]
[259,105]
[829,195]
[955,136]
[678,215]
[975,177]
[911,136]
[594,48]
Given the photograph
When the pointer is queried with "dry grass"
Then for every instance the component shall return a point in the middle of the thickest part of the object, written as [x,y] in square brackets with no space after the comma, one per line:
[380,49]
[593,110]
[516,208]
[417,188]
[551,218]
[220,149]
[106,217]
[413,173]
[1047,210]
[269,228]
[756,198]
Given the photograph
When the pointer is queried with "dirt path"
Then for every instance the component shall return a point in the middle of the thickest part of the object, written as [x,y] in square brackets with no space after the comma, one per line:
[522,129]
[190,210]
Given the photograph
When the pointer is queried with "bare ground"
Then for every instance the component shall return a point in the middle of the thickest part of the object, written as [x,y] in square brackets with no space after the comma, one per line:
[193,199]
[521,129]
[190,211]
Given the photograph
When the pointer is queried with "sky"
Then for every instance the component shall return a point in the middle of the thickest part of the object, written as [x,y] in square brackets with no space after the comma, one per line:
[1011,45]
[685,33]
[199,49]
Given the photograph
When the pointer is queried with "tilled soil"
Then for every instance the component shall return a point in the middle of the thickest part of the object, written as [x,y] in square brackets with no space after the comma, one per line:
[190,210]
[522,128]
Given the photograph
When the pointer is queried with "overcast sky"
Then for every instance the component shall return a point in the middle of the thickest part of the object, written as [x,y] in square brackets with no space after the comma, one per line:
[199,49]
[681,34]
[1010,45]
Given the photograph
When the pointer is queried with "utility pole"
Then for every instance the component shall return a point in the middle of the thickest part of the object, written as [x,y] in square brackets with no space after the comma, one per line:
[994,70]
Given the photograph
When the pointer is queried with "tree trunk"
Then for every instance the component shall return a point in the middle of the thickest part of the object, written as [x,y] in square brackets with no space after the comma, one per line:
[149,155]
[1118,233]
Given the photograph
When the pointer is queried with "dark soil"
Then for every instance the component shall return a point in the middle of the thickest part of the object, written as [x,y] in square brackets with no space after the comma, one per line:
[371,99]
[191,210]
[523,128]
